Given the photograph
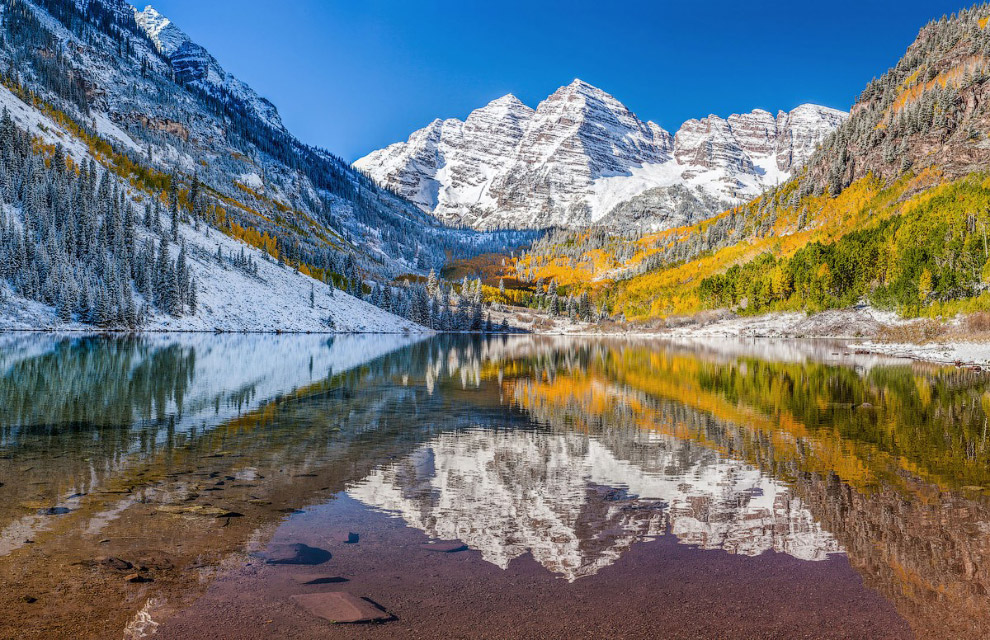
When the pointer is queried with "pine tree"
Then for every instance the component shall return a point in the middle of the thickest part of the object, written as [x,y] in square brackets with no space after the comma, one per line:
[431,283]
[175,220]
[193,297]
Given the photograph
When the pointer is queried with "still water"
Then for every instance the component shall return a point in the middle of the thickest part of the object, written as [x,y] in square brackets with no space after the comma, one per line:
[507,487]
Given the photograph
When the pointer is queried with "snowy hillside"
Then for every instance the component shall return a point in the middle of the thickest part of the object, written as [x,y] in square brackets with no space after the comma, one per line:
[238,287]
[582,157]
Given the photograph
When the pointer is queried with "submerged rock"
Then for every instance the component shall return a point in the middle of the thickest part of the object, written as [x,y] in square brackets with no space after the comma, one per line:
[303,578]
[344,537]
[137,577]
[342,607]
[117,564]
[199,510]
[296,553]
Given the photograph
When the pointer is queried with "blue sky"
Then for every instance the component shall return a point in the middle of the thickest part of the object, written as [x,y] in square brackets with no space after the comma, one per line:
[355,75]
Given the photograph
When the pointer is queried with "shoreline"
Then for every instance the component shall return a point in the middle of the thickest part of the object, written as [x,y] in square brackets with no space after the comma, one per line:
[774,326]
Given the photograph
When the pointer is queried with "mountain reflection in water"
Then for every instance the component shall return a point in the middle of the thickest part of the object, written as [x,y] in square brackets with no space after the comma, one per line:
[568,450]
[576,502]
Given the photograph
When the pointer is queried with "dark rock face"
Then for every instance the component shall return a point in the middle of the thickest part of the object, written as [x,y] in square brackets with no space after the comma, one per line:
[190,62]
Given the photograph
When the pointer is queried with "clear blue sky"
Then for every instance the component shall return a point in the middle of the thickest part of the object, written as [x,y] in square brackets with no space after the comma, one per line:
[355,75]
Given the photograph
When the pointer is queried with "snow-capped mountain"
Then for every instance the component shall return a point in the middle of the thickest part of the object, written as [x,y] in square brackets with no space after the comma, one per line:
[581,157]
[576,505]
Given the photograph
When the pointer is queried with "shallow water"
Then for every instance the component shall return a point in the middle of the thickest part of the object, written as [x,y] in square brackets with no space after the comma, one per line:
[507,487]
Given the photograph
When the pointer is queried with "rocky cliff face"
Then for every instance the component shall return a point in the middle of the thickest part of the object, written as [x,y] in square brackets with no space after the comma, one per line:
[193,64]
[929,111]
[582,157]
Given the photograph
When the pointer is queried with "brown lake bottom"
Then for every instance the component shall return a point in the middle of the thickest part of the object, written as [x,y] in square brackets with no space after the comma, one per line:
[657,589]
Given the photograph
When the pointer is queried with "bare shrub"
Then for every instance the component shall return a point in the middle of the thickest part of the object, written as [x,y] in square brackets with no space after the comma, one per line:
[978,322]
[543,324]
[705,318]
[673,322]
[917,332]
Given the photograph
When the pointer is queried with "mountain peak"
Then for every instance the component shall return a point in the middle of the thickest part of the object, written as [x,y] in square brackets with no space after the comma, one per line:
[581,87]
[508,103]
[509,99]
[193,64]
[162,31]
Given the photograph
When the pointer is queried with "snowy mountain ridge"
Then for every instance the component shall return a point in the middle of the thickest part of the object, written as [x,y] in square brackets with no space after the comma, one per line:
[582,157]
[194,64]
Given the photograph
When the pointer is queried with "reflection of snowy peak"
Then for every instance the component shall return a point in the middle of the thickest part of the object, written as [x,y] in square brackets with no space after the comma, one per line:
[582,157]
[575,505]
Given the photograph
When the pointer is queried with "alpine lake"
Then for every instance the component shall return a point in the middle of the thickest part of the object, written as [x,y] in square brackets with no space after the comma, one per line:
[381,486]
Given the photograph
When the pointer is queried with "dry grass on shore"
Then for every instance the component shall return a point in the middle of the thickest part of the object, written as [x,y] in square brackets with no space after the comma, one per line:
[973,328]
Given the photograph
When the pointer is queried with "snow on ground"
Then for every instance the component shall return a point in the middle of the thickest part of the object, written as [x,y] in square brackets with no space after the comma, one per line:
[276,299]
[857,322]
[41,125]
[251,180]
[109,130]
[611,191]
[967,353]
[231,299]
